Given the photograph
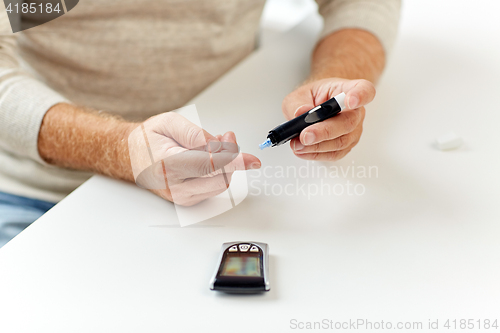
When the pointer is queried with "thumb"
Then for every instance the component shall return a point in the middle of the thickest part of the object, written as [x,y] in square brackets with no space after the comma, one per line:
[358,93]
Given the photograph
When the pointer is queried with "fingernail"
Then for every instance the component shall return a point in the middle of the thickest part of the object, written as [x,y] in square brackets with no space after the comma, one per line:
[298,145]
[254,165]
[353,102]
[297,110]
[214,146]
[309,138]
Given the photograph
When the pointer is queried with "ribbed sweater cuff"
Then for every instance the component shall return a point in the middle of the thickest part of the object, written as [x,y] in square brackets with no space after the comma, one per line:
[23,104]
[379,17]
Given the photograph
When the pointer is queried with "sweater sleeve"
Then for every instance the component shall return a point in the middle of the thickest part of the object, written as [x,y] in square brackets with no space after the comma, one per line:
[380,17]
[24,100]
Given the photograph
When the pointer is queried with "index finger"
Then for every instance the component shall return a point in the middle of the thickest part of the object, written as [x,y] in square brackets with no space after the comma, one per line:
[345,122]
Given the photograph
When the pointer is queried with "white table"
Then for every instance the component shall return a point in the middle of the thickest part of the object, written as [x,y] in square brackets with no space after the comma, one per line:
[422,242]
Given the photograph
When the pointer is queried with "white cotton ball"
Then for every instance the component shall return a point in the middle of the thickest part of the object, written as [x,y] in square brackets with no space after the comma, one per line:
[448,141]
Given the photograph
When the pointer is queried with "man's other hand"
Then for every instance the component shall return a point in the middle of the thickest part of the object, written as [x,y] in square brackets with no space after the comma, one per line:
[332,139]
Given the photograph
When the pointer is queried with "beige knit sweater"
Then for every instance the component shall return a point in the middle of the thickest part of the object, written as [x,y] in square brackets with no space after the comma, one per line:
[135,58]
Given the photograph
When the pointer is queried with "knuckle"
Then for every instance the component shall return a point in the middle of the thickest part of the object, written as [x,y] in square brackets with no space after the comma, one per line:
[284,104]
[369,89]
[354,143]
[314,148]
[357,138]
[362,113]
[205,169]
[194,134]
[202,167]
[342,142]
[345,152]
[169,116]
[334,155]
[365,83]
[328,133]
[351,121]
[215,184]
[330,156]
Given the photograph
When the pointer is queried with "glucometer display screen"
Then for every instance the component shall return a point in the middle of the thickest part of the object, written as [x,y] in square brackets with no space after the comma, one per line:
[241,266]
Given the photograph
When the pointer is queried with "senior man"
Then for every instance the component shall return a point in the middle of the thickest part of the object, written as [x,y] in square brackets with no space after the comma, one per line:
[138,59]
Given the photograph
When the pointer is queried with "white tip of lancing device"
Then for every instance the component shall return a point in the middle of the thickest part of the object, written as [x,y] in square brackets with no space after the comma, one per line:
[340,98]
[448,141]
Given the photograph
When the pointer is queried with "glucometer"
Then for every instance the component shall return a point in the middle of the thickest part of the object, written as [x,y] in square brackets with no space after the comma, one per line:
[292,128]
[243,268]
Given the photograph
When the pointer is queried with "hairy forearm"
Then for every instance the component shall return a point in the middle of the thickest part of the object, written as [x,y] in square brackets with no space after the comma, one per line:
[348,54]
[74,138]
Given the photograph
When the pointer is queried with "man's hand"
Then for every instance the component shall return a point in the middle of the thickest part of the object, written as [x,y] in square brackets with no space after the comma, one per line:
[338,62]
[181,162]
[333,138]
